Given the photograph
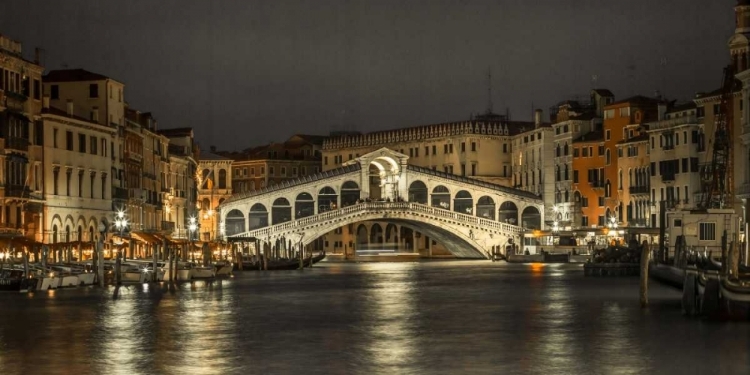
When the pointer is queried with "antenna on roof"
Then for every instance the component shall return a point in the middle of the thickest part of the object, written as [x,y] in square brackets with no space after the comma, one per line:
[663,64]
[489,89]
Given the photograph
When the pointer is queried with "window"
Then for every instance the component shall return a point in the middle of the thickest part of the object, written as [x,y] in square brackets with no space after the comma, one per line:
[445,149]
[575,176]
[93,142]
[67,182]
[104,186]
[283,169]
[607,135]
[37,90]
[69,141]
[294,171]
[80,184]
[434,150]
[707,232]
[625,112]
[54,138]
[54,92]
[505,148]
[82,143]
[270,171]
[463,169]
[463,146]
[608,157]
[450,148]
[473,169]
[94,90]
[473,146]
[325,160]
[93,176]
[584,221]
[55,179]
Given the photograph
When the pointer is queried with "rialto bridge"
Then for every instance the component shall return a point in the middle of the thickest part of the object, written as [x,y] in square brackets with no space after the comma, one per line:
[468,216]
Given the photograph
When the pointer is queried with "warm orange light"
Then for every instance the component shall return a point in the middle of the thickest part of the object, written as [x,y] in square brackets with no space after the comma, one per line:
[537,267]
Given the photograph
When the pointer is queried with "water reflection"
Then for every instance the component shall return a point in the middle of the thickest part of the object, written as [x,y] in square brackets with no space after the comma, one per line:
[391,313]
[402,318]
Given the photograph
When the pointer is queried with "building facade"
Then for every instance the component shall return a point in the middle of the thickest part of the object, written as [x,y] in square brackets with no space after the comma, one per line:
[181,199]
[77,178]
[214,187]
[20,142]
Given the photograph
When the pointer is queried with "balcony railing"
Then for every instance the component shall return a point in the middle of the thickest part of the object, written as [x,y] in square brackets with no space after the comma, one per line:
[668,177]
[666,124]
[20,144]
[639,189]
[17,191]
[167,226]
[119,193]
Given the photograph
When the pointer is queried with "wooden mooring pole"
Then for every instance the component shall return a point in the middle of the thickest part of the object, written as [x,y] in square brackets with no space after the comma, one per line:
[645,254]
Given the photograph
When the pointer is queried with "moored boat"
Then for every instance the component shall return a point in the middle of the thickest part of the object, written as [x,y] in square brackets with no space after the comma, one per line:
[14,280]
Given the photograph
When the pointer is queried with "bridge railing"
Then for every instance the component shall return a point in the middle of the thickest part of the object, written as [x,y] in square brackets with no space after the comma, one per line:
[383,206]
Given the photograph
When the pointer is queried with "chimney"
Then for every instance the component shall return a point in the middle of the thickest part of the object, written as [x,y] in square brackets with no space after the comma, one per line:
[70,108]
[537,118]
[662,109]
[45,102]
[95,115]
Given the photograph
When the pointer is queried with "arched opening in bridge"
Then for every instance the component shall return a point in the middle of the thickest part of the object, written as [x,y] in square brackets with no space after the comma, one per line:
[376,235]
[235,222]
[508,213]
[531,218]
[281,211]
[384,173]
[391,237]
[350,193]
[362,239]
[258,217]
[463,203]
[441,197]
[327,199]
[304,206]
[406,236]
[486,208]
[418,192]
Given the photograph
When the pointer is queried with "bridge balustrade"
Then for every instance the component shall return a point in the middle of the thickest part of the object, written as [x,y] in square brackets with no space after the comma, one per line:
[364,207]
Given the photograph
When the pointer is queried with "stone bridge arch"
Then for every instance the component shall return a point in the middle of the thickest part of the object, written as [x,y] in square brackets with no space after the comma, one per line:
[466,236]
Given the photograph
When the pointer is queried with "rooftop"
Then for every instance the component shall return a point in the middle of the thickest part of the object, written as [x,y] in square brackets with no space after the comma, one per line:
[176,132]
[73,75]
[211,156]
[594,136]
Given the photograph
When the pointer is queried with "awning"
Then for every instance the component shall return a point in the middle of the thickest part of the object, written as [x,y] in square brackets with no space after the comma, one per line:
[149,238]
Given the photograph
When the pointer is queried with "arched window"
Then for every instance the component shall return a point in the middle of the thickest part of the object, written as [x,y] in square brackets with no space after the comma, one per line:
[222,179]
[565,149]
[619,181]
[557,150]
[567,175]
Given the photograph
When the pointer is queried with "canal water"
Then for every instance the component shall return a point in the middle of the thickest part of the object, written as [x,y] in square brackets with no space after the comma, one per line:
[454,317]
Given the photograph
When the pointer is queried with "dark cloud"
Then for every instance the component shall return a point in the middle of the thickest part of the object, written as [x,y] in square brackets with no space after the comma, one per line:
[247,72]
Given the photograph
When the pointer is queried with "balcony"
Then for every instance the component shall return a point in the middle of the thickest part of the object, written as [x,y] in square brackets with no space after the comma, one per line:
[667,177]
[638,190]
[167,226]
[19,144]
[744,190]
[133,157]
[17,191]
[637,222]
[119,193]
[671,123]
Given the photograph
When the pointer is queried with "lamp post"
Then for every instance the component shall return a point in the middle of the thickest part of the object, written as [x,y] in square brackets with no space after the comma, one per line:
[192,227]
[121,224]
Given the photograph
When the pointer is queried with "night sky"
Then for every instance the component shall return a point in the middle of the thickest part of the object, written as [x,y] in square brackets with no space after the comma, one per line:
[245,72]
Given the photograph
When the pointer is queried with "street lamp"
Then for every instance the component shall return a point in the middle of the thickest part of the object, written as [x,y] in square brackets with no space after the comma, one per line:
[192,227]
[121,223]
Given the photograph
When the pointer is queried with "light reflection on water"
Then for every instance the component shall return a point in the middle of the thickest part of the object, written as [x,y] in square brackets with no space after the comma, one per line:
[399,318]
